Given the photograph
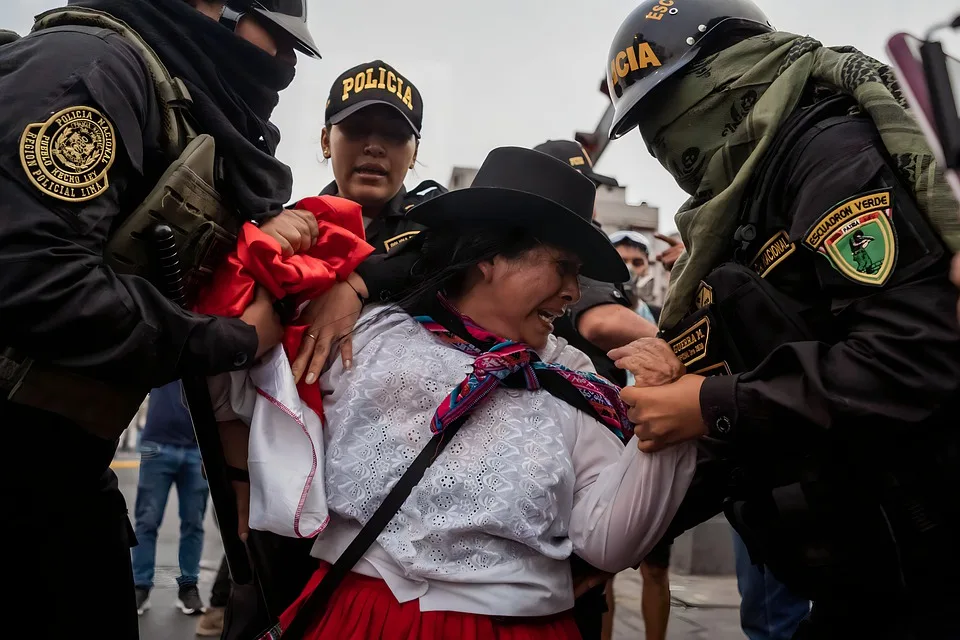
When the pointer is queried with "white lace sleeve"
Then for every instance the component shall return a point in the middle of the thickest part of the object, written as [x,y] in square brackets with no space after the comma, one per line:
[624,499]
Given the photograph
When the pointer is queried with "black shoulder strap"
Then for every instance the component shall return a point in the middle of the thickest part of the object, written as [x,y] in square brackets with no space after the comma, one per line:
[790,136]
[317,601]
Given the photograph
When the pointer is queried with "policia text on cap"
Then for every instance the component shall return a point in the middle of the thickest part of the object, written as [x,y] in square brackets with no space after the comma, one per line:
[814,316]
[93,117]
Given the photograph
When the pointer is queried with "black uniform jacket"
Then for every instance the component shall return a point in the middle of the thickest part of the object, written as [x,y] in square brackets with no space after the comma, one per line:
[58,302]
[878,375]
[82,97]
[388,269]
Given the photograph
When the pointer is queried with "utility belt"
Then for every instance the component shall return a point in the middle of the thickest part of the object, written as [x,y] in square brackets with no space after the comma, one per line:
[205,232]
[821,511]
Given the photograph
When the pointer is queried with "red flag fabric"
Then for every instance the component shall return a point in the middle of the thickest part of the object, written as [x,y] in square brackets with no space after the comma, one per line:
[258,259]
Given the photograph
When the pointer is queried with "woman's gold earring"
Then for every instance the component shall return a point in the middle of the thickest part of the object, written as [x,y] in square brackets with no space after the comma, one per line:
[326,154]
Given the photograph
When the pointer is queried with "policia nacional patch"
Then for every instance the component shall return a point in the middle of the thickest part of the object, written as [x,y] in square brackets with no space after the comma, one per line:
[68,156]
[858,238]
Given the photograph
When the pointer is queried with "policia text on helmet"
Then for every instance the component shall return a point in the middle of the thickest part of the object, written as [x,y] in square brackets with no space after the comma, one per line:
[661,38]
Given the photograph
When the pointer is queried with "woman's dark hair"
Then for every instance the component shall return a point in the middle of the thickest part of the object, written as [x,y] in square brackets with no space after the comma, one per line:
[446,258]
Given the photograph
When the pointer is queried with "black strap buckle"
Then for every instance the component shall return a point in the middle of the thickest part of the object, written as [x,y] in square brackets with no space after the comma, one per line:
[230,17]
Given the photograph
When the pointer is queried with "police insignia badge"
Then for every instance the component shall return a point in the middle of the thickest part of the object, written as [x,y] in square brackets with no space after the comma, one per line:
[68,156]
[704,295]
[396,241]
[858,238]
[691,345]
[773,252]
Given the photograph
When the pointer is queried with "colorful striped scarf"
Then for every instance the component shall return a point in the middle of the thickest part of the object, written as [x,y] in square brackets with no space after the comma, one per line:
[499,359]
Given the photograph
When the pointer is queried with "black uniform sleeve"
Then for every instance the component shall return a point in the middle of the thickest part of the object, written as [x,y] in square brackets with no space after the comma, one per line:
[58,301]
[891,356]
[387,274]
[594,293]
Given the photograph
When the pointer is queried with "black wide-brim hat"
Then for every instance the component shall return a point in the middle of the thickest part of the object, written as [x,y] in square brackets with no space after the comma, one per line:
[527,189]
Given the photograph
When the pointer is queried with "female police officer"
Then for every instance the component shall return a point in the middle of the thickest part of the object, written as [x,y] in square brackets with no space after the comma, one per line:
[815,283]
[372,136]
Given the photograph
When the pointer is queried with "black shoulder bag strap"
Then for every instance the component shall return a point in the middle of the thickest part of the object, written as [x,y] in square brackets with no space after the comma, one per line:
[317,601]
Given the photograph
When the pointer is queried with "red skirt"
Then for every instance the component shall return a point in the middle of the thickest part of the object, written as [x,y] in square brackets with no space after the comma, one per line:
[363,608]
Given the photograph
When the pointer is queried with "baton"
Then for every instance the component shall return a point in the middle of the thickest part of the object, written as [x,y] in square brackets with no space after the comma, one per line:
[205,427]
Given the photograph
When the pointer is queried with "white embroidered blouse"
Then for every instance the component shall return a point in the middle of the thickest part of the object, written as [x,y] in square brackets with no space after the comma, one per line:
[526,482]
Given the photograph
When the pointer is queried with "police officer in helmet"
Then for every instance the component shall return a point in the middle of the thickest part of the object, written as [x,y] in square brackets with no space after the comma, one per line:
[821,372]
[119,114]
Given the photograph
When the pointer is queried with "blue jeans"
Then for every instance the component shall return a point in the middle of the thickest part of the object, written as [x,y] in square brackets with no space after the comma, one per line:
[161,466]
[767,610]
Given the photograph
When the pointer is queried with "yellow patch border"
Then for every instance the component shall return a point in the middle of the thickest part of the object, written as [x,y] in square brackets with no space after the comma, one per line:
[791,248]
[398,240]
[36,136]
[846,212]
[704,295]
[840,218]
[678,346]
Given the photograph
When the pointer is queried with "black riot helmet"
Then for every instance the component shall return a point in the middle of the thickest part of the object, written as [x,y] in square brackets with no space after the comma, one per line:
[661,37]
[289,16]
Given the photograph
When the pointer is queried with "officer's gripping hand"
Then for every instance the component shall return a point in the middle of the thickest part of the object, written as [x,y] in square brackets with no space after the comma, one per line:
[665,415]
[332,317]
[261,315]
[651,361]
[295,230]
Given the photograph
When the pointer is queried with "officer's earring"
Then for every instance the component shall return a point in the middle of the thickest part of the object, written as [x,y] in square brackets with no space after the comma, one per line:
[326,153]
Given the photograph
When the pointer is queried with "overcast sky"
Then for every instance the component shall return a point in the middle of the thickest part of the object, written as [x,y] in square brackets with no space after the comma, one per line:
[515,72]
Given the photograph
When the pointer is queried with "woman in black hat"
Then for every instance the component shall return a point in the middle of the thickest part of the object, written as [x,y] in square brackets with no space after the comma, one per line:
[372,135]
[480,548]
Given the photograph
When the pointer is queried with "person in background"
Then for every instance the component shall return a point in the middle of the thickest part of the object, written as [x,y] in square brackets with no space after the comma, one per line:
[634,248]
[768,610]
[169,456]
[669,256]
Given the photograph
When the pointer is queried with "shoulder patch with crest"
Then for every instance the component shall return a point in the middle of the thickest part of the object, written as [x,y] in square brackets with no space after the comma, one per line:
[68,156]
[858,238]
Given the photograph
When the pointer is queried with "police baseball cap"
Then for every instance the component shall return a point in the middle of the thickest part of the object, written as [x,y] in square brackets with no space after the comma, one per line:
[370,84]
[574,154]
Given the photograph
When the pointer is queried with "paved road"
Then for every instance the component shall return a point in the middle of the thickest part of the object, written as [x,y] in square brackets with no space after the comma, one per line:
[703,608]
